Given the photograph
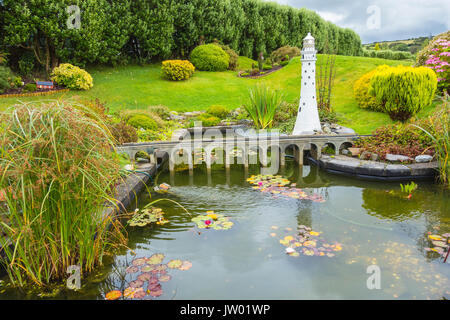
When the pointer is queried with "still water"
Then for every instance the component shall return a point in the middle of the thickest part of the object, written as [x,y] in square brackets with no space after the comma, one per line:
[248,261]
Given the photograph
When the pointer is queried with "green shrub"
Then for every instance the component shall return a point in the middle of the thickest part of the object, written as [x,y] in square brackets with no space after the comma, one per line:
[387,54]
[403,91]
[284,63]
[17,82]
[142,121]
[218,111]
[162,111]
[72,77]
[361,91]
[284,53]
[177,70]
[209,57]
[26,64]
[5,79]
[285,112]
[234,57]
[208,120]
[123,133]
[57,170]
[267,67]
[29,87]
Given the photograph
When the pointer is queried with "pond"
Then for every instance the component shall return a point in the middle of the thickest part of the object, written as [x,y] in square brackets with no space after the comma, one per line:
[356,224]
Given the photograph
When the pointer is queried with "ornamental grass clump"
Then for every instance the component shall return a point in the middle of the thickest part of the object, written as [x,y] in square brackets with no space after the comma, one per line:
[264,102]
[57,170]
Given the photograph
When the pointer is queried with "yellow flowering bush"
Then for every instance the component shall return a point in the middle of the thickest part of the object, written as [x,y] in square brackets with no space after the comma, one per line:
[177,69]
[72,77]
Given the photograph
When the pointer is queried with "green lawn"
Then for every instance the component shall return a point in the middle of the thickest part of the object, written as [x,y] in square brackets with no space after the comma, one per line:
[141,86]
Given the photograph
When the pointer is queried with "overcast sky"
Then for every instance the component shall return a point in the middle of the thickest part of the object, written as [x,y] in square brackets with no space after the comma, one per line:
[398,19]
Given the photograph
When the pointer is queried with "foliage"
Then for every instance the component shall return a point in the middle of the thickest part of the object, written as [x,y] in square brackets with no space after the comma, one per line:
[403,91]
[142,121]
[263,104]
[361,91]
[72,77]
[326,73]
[208,120]
[29,87]
[439,132]
[404,139]
[147,216]
[389,90]
[26,64]
[58,170]
[218,111]
[408,188]
[234,57]
[177,69]
[17,82]
[5,79]
[123,133]
[285,112]
[284,63]
[387,54]
[213,221]
[436,55]
[210,57]
[161,111]
[280,54]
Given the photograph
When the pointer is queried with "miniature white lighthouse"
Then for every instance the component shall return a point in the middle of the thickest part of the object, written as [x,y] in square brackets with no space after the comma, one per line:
[308,116]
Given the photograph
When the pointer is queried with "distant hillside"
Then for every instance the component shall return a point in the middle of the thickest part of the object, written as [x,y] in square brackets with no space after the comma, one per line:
[412,45]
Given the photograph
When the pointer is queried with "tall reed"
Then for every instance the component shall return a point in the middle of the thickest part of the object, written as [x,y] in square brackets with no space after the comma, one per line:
[57,169]
[439,131]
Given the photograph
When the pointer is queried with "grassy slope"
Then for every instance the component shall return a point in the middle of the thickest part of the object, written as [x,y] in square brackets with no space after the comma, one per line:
[139,87]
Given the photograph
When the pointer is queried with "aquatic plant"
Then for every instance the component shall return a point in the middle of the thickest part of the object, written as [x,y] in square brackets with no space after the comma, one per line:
[57,170]
[408,188]
[147,216]
[213,220]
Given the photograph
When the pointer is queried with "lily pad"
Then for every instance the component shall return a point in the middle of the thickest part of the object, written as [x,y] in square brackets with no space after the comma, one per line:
[175,264]
[134,293]
[139,262]
[147,216]
[186,265]
[132,269]
[165,278]
[146,276]
[136,284]
[113,295]
[156,258]
[216,222]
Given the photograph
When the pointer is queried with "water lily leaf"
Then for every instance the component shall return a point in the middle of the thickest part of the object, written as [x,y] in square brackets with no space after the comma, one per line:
[138,262]
[113,295]
[439,243]
[165,278]
[136,284]
[148,268]
[175,264]
[156,258]
[161,268]
[132,269]
[435,237]
[155,293]
[134,293]
[214,221]
[186,265]
[146,276]
[147,216]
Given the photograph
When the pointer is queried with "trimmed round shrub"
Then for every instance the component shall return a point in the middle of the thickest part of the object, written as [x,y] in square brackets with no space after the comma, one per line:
[5,79]
[403,91]
[361,91]
[218,111]
[234,57]
[280,54]
[210,57]
[142,121]
[72,77]
[177,70]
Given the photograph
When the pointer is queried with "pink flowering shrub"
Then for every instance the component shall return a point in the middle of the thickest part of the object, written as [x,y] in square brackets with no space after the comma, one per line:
[436,55]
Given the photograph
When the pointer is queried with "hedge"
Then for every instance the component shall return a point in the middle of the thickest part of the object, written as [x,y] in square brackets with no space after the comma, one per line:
[123,31]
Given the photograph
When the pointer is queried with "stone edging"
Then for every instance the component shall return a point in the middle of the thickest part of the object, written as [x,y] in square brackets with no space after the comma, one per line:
[374,170]
[33,94]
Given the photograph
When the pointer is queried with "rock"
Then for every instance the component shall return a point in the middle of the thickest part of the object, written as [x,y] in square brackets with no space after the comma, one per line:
[423,158]
[365,155]
[345,152]
[355,151]
[374,157]
[396,158]
[189,114]
[344,130]
[177,117]
[326,129]
[245,122]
